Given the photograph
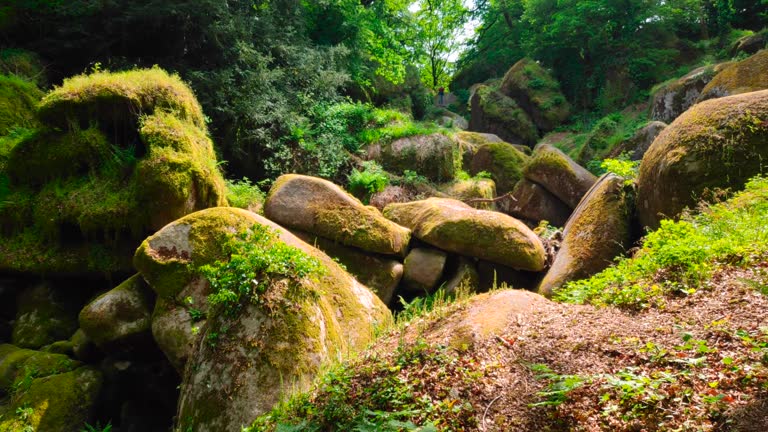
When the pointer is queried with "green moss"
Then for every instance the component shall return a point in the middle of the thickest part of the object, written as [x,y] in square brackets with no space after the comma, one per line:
[745,76]
[538,93]
[560,175]
[351,226]
[472,189]
[43,316]
[24,64]
[18,99]
[503,161]
[119,97]
[506,113]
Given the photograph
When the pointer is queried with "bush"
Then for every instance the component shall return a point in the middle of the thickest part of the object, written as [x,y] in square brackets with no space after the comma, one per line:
[244,194]
[373,179]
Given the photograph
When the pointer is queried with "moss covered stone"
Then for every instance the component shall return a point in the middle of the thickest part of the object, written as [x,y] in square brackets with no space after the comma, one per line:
[320,207]
[598,231]
[120,318]
[43,316]
[467,190]
[746,76]
[503,161]
[537,92]
[559,174]
[636,146]
[85,192]
[18,99]
[379,273]
[423,270]
[674,97]
[532,202]
[62,402]
[120,97]
[429,155]
[265,355]
[718,143]
[498,114]
[456,227]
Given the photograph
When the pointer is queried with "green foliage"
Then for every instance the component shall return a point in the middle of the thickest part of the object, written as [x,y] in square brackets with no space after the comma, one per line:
[413,179]
[558,386]
[622,166]
[383,393]
[97,427]
[371,180]
[679,256]
[244,194]
[257,259]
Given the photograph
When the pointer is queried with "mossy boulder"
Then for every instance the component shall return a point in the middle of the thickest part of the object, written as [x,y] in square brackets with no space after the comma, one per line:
[423,270]
[429,155]
[636,146]
[718,143]
[455,227]
[18,99]
[746,76]
[44,315]
[320,207]
[532,202]
[381,274]
[464,277]
[19,366]
[117,157]
[673,98]
[472,189]
[537,92]
[749,44]
[559,174]
[120,319]
[469,142]
[598,231]
[503,162]
[495,113]
[225,386]
[62,402]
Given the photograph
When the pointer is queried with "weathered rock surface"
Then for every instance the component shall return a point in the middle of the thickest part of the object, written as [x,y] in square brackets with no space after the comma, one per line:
[640,141]
[674,98]
[495,113]
[533,202]
[543,101]
[503,161]
[120,319]
[719,143]
[226,386]
[44,315]
[469,142]
[559,174]
[464,277]
[380,274]
[746,76]
[423,269]
[598,231]
[456,227]
[320,207]
[428,155]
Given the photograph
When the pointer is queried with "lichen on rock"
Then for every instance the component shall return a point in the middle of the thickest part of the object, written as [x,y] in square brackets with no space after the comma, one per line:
[559,174]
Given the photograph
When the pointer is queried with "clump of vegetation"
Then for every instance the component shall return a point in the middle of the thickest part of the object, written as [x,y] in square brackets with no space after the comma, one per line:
[244,194]
[395,391]
[258,259]
[373,179]
[680,256]
[621,166]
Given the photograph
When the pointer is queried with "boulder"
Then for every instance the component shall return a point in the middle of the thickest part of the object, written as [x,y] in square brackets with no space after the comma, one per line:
[469,142]
[494,276]
[423,270]
[749,44]
[636,146]
[116,157]
[472,189]
[502,161]
[719,143]
[18,99]
[537,92]
[379,273]
[533,202]
[428,155]
[293,327]
[455,227]
[597,232]
[675,97]
[495,113]
[320,207]
[392,194]
[746,76]
[120,319]
[559,174]
[44,315]
[464,278]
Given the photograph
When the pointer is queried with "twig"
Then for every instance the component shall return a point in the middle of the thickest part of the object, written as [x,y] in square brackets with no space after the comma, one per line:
[490,200]
[489,407]
[505,343]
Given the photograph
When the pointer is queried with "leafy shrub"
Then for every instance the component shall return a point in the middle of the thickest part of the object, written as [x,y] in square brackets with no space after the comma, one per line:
[412,178]
[680,256]
[244,194]
[372,179]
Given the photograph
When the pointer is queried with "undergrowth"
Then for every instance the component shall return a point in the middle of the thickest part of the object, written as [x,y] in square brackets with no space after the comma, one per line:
[680,256]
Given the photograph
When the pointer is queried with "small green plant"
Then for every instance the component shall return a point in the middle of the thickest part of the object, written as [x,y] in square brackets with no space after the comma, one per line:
[412,178]
[558,385]
[244,194]
[621,166]
[373,179]
[97,428]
